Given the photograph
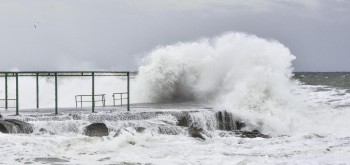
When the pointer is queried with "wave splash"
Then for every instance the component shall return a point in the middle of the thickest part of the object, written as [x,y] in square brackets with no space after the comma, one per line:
[244,74]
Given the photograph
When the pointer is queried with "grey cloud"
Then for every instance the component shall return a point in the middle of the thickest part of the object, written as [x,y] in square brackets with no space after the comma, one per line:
[114,35]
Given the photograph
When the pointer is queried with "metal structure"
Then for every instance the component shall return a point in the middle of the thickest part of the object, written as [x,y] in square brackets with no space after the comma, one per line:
[121,98]
[79,99]
[91,74]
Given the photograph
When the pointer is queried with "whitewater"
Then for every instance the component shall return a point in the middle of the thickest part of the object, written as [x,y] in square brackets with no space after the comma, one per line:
[306,115]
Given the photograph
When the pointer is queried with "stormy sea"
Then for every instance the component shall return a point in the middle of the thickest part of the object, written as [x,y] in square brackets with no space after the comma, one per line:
[231,99]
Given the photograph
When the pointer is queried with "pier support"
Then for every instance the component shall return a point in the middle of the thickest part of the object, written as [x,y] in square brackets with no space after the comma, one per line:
[93,92]
[6,92]
[37,90]
[128,86]
[56,94]
[17,95]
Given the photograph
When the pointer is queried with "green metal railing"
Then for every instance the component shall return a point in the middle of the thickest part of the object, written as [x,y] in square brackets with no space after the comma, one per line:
[80,99]
[121,98]
[6,103]
[91,74]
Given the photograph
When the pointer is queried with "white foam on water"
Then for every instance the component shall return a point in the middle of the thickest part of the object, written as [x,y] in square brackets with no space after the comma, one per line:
[167,149]
[244,74]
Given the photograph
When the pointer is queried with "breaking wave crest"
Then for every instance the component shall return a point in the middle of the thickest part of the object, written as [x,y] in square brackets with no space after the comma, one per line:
[244,74]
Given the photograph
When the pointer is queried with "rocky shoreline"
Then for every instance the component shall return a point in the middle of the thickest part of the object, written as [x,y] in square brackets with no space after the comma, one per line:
[196,124]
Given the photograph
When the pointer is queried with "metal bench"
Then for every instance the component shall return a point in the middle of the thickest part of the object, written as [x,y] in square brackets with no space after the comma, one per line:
[121,98]
[79,99]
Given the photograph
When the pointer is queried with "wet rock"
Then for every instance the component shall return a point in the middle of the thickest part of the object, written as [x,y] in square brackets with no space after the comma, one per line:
[50,160]
[5,127]
[226,121]
[96,129]
[252,134]
[184,120]
[119,132]
[45,131]
[170,130]
[244,134]
[197,132]
[23,127]
[15,126]
[75,116]
[104,159]
[140,129]
[313,136]
[240,125]
[129,130]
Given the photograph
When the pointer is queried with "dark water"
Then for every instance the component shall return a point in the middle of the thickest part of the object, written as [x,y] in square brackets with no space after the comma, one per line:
[331,79]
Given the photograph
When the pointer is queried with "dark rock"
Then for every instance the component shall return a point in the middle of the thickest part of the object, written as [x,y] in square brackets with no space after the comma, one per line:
[253,134]
[170,130]
[15,126]
[5,127]
[226,121]
[240,125]
[23,126]
[244,134]
[96,129]
[140,129]
[184,121]
[44,131]
[197,133]
[104,159]
[50,160]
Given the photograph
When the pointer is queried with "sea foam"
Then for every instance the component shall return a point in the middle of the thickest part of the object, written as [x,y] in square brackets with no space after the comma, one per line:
[244,74]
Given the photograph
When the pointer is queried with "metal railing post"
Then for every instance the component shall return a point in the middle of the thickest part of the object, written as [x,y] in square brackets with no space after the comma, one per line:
[17,98]
[56,94]
[113,100]
[6,94]
[37,90]
[128,86]
[93,92]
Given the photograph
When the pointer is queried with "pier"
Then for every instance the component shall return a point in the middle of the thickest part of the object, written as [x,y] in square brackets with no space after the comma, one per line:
[55,75]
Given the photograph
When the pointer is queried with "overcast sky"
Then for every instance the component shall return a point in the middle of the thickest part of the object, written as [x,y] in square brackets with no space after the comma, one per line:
[115,34]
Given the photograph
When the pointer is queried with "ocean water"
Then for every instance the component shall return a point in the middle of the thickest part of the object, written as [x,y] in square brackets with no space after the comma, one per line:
[306,114]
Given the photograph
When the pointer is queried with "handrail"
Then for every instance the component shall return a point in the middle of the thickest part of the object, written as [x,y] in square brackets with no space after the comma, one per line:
[14,102]
[121,98]
[103,99]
